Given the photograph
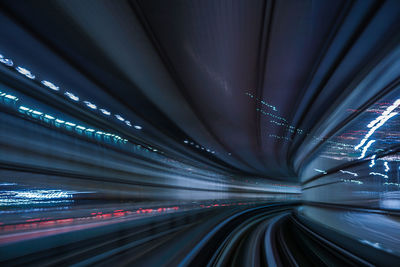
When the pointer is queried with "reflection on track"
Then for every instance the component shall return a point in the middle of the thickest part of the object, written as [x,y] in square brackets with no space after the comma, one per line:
[210,235]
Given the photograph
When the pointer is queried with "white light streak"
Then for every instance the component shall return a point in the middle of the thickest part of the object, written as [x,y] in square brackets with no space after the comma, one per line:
[372,161]
[119,117]
[366,148]
[6,61]
[105,112]
[49,117]
[25,72]
[379,174]
[50,85]
[386,166]
[11,97]
[72,96]
[90,105]
[348,172]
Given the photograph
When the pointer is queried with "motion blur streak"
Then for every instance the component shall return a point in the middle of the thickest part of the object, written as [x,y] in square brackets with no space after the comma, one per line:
[200,133]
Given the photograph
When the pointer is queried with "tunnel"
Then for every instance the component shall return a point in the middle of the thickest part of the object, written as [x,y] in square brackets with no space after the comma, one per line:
[199,133]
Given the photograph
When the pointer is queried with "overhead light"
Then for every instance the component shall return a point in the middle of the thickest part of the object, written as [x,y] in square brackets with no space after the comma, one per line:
[119,117]
[128,123]
[50,85]
[80,127]
[72,96]
[11,97]
[6,61]
[25,72]
[90,105]
[90,130]
[37,112]
[105,112]
[23,108]
[138,127]
[49,117]
[186,141]
[59,121]
[70,124]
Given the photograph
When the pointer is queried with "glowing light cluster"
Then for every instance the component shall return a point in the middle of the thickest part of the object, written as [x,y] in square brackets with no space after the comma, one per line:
[352,181]
[271,115]
[290,128]
[27,73]
[280,137]
[8,99]
[198,146]
[59,123]
[261,101]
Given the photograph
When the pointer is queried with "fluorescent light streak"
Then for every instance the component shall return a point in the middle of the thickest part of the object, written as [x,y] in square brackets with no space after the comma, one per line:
[138,127]
[72,96]
[186,141]
[70,124]
[366,148]
[37,112]
[80,127]
[6,61]
[27,73]
[105,112]
[128,123]
[348,172]
[90,130]
[11,97]
[386,166]
[50,85]
[49,117]
[379,174]
[90,105]
[59,121]
[119,117]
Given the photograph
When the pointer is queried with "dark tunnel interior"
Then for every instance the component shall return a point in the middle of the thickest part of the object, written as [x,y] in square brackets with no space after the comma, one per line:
[200,133]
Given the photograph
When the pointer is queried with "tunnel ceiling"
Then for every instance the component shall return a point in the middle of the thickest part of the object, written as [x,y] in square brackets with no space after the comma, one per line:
[254,81]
